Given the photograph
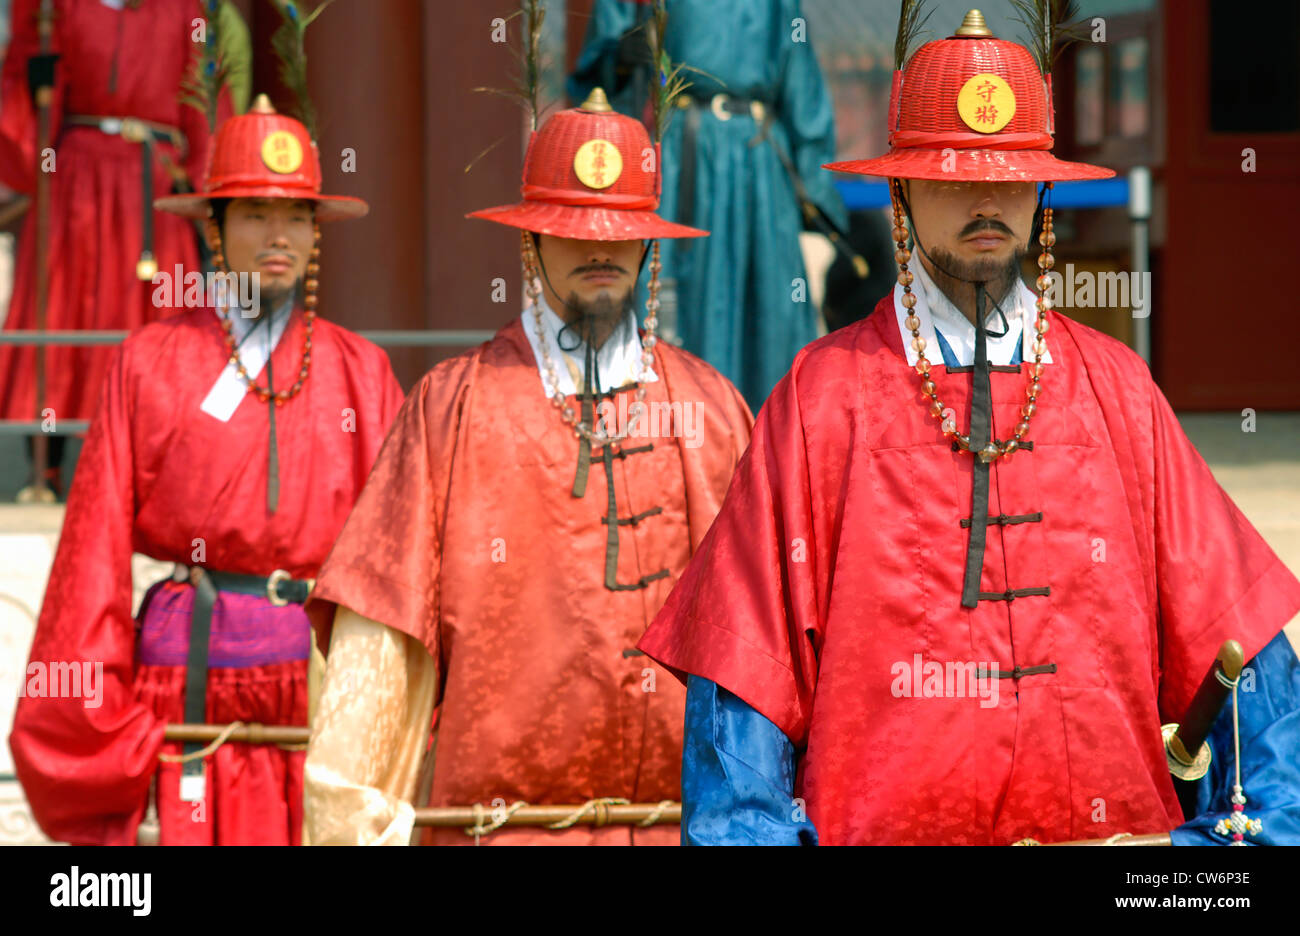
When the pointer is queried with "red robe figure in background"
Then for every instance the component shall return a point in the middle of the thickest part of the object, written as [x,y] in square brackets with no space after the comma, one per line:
[177,466]
[963,638]
[113,63]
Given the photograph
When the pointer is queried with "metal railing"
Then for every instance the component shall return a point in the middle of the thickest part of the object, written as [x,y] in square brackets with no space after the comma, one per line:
[396,338]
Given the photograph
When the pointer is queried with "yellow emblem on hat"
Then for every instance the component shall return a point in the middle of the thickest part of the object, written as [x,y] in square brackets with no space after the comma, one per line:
[986,103]
[598,164]
[282,152]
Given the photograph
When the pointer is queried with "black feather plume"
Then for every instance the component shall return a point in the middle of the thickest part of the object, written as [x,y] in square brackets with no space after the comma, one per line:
[1051,27]
[201,87]
[911,25]
[287,42]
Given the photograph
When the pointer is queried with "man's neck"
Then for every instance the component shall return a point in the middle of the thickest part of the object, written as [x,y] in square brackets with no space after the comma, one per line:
[962,294]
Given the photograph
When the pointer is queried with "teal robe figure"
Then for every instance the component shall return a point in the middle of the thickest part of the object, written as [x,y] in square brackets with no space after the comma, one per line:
[741,295]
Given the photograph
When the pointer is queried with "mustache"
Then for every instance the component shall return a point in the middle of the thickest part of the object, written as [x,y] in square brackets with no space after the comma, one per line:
[986,224]
[597,268]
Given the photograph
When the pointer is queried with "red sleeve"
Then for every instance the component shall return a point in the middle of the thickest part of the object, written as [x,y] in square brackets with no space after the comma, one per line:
[1216,577]
[17,112]
[85,763]
[385,564]
[744,613]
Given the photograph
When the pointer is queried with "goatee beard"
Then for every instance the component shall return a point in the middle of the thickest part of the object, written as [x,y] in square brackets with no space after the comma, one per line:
[956,278]
[598,321]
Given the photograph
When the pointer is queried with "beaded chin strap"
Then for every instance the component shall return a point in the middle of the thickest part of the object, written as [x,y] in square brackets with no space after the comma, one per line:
[598,434]
[994,449]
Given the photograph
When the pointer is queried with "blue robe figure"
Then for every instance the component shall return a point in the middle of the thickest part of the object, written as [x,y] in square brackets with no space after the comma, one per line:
[742,301]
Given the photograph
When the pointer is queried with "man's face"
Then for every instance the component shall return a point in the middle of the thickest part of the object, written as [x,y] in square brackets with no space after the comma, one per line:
[591,271]
[271,237]
[976,230]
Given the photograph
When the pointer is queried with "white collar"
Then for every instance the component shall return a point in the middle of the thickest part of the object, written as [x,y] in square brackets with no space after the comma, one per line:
[617,361]
[241,325]
[230,389]
[934,308]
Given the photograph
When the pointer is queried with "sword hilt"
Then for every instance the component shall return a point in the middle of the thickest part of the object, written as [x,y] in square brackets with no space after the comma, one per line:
[1185,748]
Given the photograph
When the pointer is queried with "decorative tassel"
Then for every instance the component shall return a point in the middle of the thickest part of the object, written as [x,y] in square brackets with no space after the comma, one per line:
[910,27]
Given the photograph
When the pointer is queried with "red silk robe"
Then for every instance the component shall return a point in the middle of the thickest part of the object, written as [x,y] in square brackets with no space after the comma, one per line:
[155,476]
[468,538]
[838,557]
[96,208]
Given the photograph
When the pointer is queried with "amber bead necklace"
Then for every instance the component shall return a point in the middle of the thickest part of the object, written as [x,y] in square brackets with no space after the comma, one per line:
[994,449]
[311,284]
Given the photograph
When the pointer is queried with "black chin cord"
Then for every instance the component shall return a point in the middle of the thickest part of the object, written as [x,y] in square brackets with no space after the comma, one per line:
[1006,325]
[590,390]
[981,434]
[981,419]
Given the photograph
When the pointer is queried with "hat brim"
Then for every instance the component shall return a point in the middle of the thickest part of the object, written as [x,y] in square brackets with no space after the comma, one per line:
[585,222]
[328,207]
[972,165]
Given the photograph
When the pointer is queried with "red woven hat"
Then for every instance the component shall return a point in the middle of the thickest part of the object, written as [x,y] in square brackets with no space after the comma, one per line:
[585,178]
[971,108]
[262,154]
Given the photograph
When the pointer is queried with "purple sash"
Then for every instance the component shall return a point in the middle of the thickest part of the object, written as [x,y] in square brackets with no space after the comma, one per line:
[247,630]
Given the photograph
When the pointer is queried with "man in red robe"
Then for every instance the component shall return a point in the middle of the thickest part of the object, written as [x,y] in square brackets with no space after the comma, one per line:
[529,512]
[897,632]
[115,61]
[249,489]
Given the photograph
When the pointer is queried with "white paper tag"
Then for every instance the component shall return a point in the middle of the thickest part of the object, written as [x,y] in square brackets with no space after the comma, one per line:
[230,389]
[194,787]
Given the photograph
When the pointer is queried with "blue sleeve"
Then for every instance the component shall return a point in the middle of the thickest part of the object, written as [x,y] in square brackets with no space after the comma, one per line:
[1270,755]
[738,773]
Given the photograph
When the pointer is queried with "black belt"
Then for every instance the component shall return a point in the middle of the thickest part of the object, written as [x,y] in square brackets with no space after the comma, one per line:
[146,133]
[723,107]
[278,588]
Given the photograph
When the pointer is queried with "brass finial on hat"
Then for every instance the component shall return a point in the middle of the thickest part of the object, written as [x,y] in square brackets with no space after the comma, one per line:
[597,102]
[973,26]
